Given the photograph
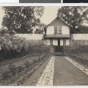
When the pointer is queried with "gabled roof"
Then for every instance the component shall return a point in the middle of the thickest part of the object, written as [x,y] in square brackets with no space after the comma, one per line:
[59,18]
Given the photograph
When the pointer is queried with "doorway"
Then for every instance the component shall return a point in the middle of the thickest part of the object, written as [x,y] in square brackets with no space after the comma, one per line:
[58,48]
[58,42]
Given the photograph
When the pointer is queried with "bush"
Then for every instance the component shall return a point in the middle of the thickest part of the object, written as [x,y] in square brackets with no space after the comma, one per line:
[13,46]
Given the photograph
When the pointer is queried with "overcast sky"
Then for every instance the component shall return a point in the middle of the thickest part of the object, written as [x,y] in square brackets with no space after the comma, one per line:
[1,16]
[49,14]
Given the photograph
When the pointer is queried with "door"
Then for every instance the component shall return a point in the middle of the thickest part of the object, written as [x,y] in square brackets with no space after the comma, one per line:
[60,48]
[58,42]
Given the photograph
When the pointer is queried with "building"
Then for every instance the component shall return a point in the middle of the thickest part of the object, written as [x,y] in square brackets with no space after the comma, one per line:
[57,33]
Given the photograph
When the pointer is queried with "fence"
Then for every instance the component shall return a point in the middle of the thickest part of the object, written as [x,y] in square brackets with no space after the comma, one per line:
[31,36]
[78,42]
[79,39]
[79,36]
[76,39]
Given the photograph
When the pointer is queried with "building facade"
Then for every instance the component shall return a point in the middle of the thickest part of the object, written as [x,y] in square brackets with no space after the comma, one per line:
[57,33]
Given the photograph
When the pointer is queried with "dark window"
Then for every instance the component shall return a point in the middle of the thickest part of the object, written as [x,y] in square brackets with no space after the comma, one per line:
[60,31]
[55,30]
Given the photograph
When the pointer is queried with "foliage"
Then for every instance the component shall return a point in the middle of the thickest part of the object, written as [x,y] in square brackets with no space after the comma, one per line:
[14,46]
[40,28]
[74,15]
[38,31]
[83,29]
[4,31]
[21,18]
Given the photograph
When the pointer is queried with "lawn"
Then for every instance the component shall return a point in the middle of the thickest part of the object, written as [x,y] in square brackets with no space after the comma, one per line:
[78,53]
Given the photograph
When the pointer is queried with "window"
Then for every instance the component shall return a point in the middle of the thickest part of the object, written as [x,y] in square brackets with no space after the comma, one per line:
[55,30]
[60,31]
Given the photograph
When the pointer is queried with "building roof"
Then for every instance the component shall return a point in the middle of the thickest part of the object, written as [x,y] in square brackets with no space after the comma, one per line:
[50,36]
[60,19]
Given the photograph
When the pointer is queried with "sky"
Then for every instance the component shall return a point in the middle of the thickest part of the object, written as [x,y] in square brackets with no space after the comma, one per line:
[1,15]
[49,14]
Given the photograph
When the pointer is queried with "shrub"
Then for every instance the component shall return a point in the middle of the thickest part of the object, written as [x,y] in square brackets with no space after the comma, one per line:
[13,46]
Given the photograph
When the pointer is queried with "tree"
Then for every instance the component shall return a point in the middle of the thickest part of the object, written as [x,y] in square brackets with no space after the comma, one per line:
[40,28]
[21,18]
[73,15]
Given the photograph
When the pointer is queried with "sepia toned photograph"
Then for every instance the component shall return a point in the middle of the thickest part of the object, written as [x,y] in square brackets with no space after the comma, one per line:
[39,1]
[43,45]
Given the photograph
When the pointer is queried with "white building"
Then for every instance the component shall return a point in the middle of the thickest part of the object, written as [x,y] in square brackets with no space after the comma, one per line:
[57,33]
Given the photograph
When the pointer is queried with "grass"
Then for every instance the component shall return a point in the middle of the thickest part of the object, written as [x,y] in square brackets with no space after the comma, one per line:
[78,53]
[14,68]
[17,70]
